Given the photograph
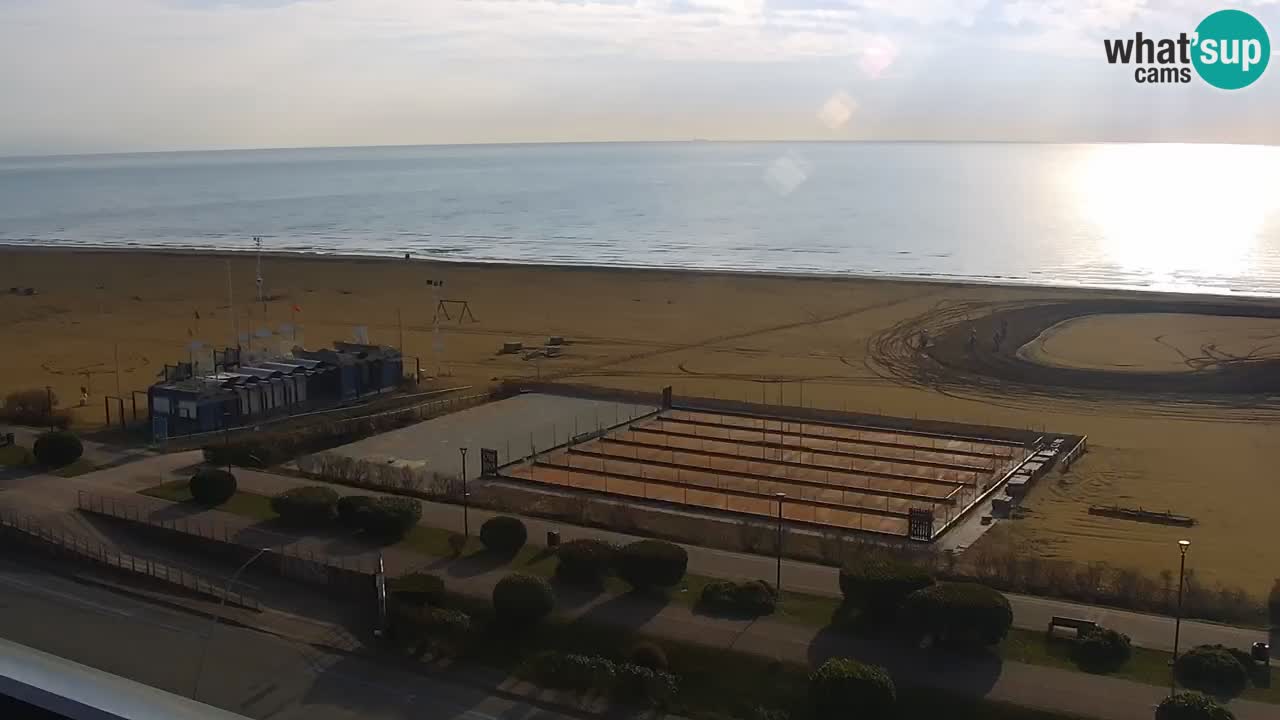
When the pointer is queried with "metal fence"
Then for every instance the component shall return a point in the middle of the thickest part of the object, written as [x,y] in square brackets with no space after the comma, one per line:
[100,553]
[242,536]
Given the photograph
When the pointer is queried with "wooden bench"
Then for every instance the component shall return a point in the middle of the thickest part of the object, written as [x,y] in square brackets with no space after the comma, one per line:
[1077,624]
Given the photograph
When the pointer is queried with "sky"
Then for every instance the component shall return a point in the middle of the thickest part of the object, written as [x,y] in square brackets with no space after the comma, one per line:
[79,76]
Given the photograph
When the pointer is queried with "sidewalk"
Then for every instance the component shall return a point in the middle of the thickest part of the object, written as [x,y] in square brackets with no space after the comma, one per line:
[1030,612]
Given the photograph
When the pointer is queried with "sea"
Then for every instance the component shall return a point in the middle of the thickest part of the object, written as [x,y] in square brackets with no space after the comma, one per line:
[1197,218]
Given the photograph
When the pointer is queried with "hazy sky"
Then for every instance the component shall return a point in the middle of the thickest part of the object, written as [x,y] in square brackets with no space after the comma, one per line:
[118,75]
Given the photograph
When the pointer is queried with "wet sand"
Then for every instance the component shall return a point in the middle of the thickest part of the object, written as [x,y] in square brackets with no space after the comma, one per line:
[782,339]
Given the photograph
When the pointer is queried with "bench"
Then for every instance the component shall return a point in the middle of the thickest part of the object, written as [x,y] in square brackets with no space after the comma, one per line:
[1077,624]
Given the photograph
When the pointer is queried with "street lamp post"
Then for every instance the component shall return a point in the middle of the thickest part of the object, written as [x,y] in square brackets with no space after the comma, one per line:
[1177,619]
[466,522]
[778,582]
[226,590]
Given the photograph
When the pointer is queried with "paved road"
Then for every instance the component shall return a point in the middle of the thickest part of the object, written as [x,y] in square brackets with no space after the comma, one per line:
[247,672]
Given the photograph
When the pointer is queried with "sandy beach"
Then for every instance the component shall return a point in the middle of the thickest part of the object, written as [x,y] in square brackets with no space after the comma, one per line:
[812,341]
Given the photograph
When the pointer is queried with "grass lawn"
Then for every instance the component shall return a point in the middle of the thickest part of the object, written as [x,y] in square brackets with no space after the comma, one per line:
[1026,646]
[79,467]
[15,456]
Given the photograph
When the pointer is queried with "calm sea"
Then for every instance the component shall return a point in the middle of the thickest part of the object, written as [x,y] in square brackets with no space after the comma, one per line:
[1200,218]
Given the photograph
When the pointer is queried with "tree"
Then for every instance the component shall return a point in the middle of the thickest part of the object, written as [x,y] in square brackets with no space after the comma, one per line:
[212,486]
[846,688]
[1191,706]
[503,535]
[585,562]
[308,506]
[57,448]
[878,584]
[652,563]
[1212,669]
[958,614]
[521,600]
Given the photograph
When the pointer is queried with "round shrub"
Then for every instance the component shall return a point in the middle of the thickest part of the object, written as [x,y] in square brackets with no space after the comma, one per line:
[639,685]
[389,518]
[57,448]
[584,562]
[309,506]
[417,589]
[647,654]
[752,598]
[652,563]
[503,535]
[958,614]
[1211,669]
[522,600]
[351,509]
[1191,706]
[212,486]
[1102,650]
[842,687]
[879,584]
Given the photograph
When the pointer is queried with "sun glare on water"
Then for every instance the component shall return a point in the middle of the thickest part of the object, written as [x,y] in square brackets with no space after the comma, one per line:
[1167,212]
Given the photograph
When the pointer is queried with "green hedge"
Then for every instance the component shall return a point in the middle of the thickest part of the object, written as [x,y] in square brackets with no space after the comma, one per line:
[958,614]
[1102,650]
[351,509]
[751,598]
[212,486]
[416,589]
[878,584]
[651,563]
[308,506]
[32,407]
[639,685]
[521,600]
[846,688]
[1191,706]
[585,562]
[1212,669]
[389,518]
[572,671]
[57,448]
[503,535]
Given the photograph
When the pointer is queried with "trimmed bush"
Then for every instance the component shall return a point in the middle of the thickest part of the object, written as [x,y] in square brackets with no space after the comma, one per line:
[309,506]
[390,518]
[503,535]
[846,688]
[647,654]
[878,584]
[32,407]
[1273,604]
[1211,669]
[417,589]
[522,600]
[445,626]
[1101,650]
[1191,706]
[584,562]
[958,614]
[351,509]
[212,486]
[640,685]
[752,598]
[57,448]
[652,563]
[570,671]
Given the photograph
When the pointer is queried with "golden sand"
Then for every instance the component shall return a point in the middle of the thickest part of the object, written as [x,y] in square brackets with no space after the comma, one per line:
[710,334]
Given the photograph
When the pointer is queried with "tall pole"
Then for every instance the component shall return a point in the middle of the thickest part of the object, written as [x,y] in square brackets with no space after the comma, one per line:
[1177,619]
[226,590]
[778,583]
[257,240]
[466,522]
[231,305]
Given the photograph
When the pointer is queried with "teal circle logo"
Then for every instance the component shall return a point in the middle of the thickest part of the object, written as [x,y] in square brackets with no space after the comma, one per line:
[1231,49]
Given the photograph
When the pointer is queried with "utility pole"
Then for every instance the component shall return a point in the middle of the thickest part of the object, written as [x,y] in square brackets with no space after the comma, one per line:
[1177,621]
